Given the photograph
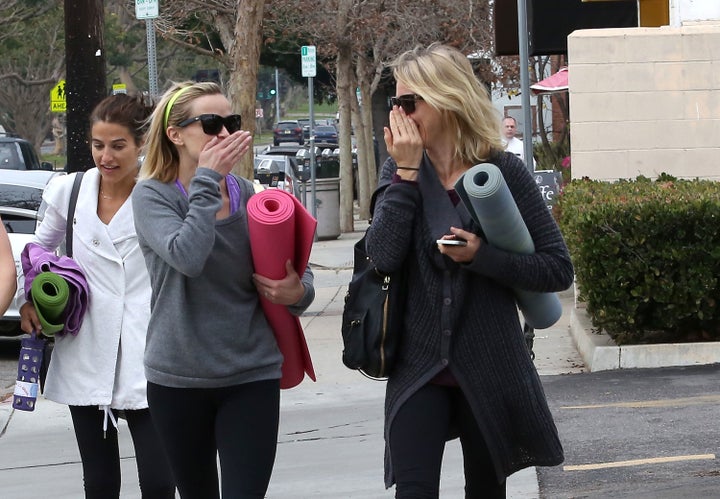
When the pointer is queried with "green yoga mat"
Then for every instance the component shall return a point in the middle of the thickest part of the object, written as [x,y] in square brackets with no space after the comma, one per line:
[50,294]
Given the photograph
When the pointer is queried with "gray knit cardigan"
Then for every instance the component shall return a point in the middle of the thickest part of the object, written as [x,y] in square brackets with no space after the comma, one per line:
[464,316]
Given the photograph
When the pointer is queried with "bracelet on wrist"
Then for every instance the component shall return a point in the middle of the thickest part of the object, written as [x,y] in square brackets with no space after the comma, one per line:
[407,168]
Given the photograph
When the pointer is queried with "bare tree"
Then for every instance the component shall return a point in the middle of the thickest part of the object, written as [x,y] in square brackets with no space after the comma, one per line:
[15,13]
[31,63]
[356,39]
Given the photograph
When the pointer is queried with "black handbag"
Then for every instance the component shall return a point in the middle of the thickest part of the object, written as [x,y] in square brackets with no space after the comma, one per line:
[372,318]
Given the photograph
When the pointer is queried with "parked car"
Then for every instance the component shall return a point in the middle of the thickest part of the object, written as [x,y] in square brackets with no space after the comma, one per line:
[305,124]
[284,150]
[277,171]
[326,134]
[288,131]
[21,210]
[289,151]
[19,154]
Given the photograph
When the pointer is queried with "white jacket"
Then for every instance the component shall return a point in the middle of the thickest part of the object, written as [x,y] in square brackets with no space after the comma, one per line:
[103,364]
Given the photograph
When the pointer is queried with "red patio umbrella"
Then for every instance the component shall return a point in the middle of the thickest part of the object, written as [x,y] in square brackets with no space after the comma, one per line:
[554,83]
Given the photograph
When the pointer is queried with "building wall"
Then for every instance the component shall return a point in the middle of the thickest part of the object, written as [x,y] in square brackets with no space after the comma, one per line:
[691,11]
[645,101]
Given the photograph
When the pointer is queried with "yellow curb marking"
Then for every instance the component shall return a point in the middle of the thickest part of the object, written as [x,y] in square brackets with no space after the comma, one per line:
[701,399]
[638,462]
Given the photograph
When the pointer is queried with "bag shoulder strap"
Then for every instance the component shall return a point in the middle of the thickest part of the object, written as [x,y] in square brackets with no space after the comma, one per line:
[71,213]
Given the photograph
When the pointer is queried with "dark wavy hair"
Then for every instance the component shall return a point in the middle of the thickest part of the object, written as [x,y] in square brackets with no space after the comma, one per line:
[130,111]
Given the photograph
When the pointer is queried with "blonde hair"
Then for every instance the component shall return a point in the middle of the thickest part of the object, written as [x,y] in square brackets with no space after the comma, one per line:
[161,156]
[444,78]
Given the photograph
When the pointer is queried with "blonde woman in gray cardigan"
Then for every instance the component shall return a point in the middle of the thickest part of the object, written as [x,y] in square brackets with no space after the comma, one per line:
[463,368]
[212,362]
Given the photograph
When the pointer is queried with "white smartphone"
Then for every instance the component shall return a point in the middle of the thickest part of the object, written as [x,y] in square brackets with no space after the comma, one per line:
[452,242]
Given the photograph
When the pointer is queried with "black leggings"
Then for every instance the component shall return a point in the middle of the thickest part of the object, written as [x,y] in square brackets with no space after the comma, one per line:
[417,442]
[101,456]
[239,423]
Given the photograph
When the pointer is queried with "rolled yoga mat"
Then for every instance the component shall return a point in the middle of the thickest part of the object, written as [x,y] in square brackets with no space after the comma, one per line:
[50,293]
[36,260]
[281,229]
[488,199]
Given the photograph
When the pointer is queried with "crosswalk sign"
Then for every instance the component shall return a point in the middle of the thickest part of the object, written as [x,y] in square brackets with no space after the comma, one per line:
[58,104]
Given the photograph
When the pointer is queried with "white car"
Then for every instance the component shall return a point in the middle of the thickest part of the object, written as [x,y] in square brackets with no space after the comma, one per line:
[21,212]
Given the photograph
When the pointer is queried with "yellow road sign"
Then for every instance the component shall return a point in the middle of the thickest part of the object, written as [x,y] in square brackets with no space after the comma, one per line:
[58,104]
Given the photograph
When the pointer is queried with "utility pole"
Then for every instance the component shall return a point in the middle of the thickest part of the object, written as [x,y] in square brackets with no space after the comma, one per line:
[85,81]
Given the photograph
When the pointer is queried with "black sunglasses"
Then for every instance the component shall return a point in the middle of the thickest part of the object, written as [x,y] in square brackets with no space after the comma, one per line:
[212,124]
[407,102]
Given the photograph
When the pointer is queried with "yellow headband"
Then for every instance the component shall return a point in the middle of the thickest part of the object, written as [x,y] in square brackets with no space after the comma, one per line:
[170,103]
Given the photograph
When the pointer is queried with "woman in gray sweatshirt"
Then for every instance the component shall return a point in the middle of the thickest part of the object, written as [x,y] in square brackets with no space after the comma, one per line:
[212,362]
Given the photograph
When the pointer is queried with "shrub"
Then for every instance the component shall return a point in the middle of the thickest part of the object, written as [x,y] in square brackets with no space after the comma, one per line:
[646,256]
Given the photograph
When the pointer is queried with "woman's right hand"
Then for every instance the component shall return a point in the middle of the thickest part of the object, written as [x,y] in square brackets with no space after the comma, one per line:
[222,154]
[29,320]
[403,141]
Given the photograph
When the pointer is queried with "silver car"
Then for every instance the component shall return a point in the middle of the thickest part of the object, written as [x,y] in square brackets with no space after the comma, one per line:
[21,210]
[277,171]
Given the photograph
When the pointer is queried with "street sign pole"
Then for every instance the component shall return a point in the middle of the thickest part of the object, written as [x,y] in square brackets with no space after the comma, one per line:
[152,57]
[277,96]
[149,10]
[525,85]
[308,63]
[312,146]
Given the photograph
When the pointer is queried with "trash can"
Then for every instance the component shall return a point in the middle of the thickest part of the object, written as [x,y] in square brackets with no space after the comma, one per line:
[327,207]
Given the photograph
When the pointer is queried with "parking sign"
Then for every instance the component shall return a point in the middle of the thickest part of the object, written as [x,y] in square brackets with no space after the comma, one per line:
[147,9]
[308,61]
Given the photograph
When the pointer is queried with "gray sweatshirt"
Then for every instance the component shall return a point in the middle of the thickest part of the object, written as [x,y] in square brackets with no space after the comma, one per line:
[207,328]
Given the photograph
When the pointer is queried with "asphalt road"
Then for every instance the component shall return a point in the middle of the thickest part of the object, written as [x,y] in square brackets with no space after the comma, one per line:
[643,433]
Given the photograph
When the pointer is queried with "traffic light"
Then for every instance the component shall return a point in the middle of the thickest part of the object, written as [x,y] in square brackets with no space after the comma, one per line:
[272,92]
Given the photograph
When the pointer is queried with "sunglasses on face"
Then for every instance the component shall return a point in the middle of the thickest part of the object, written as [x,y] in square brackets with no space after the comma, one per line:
[406,102]
[212,124]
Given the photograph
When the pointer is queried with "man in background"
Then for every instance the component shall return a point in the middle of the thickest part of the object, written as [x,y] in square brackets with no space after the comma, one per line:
[512,143]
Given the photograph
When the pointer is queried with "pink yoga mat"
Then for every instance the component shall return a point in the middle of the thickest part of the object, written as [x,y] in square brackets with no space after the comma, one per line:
[281,229]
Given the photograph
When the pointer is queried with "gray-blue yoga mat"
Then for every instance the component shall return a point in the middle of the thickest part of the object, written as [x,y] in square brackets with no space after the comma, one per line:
[488,199]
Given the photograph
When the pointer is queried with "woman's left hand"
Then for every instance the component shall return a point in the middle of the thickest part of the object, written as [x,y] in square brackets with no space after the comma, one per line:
[461,254]
[286,291]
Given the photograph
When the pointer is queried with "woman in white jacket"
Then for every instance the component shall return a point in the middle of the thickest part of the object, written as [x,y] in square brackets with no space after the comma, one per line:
[99,372]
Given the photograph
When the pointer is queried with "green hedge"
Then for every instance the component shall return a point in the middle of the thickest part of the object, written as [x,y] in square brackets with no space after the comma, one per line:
[646,256]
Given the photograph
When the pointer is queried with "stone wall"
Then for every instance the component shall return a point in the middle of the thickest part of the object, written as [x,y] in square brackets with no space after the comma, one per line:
[645,101]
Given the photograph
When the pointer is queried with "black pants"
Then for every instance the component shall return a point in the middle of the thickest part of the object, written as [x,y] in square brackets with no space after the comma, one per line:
[238,423]
[101,456]
[417,442]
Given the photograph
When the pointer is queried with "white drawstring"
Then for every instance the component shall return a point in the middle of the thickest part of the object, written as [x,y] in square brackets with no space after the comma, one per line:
[108,412]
